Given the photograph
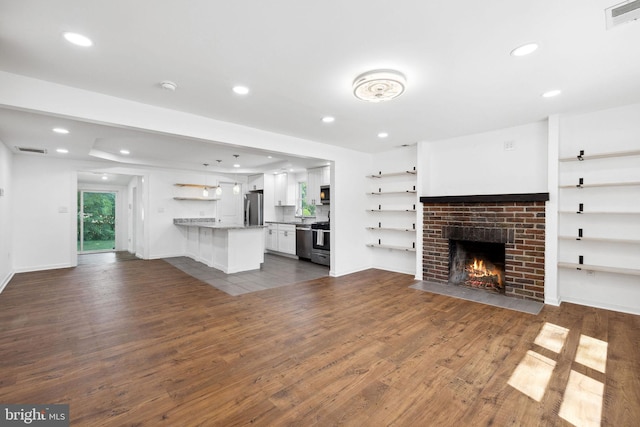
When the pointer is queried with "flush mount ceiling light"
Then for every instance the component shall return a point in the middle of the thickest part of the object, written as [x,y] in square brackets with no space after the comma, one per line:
[168,85]
[61,131]
[77,39]
[379,85]
[525,49]
[383,135]
[328,119]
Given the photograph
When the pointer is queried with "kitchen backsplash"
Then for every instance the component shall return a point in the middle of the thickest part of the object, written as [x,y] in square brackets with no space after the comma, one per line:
[288,214]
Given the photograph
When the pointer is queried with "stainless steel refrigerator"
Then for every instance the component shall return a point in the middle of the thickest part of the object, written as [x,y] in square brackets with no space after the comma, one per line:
[253,208]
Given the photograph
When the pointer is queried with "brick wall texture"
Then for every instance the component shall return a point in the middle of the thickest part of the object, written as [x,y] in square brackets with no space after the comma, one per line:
[519,225]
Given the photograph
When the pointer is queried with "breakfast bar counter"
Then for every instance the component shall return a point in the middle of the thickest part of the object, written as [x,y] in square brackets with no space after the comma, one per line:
[231,248]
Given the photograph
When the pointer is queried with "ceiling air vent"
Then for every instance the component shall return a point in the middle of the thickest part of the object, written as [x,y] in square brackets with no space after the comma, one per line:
[31,150]
[622,13]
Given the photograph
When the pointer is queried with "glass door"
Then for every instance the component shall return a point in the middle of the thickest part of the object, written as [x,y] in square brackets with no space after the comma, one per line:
[96,221]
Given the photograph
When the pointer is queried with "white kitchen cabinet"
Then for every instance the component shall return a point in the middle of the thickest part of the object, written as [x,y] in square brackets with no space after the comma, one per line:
[271,241]
[285,190]
[316,177]
[256,182]
[326,176]
[287,239]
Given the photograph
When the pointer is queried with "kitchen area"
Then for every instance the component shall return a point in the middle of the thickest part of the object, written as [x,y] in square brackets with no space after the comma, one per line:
[282,216]
[296,213]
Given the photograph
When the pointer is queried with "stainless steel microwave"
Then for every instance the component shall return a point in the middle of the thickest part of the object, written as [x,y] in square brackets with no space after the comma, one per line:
[325,194]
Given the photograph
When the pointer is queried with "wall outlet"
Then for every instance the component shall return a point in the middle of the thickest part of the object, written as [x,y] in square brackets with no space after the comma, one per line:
[509,145]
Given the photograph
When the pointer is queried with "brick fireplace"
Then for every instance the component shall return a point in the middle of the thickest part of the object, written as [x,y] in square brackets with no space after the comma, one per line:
[516,221]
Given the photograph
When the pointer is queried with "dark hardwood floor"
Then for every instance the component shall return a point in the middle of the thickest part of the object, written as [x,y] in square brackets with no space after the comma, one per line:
[140,343]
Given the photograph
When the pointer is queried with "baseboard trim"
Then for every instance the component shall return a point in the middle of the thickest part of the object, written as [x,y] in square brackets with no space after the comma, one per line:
[43,267]
[6,281]
[612,307]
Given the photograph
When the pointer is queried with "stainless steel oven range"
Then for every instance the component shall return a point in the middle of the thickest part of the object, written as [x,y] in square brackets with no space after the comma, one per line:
[321,251]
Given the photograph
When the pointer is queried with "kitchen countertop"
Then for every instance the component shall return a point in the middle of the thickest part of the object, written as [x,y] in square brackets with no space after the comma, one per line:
[289,222]
[211,223]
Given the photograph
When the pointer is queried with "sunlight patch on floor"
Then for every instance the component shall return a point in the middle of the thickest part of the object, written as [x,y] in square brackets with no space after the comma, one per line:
[532,375]
[582,402]
[552,337]
[592,353]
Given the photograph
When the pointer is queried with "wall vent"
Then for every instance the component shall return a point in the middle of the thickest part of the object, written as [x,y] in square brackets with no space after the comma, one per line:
[622,13]
[31,150]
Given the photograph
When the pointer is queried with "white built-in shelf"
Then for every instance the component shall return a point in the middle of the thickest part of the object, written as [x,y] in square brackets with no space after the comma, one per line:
[200,199]
[605,269]
[391,210]
[412,230]
[196,185]
[384,175]
[394,247]
[600,156]
[600,239]
[382,193]
[599,213]
[603,184]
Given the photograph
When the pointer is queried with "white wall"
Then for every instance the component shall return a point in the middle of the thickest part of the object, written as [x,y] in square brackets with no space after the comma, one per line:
[43,213]
[6,166]
[479,163]
[611,130]
[393,161]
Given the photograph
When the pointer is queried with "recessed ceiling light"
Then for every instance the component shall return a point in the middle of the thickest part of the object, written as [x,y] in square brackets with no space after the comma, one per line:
[78,39]
[551,93]
[236,165]
[125,152]
[62,150]
[524,49]
[328,119]
[383,135]
[379,85]
[241,90]
[291,170]
[269,157]
[61,131]
[104,177]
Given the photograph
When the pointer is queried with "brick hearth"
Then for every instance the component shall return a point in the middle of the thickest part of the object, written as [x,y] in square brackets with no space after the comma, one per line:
[518,224]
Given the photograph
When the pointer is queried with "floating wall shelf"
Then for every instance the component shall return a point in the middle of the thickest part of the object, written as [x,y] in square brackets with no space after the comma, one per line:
[602,268]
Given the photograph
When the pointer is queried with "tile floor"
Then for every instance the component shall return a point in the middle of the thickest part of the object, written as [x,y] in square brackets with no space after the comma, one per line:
[276,271]
[480,296]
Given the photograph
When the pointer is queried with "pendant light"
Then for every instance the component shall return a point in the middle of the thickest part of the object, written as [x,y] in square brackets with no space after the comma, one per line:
[218,188]
[205,190]
[236,186]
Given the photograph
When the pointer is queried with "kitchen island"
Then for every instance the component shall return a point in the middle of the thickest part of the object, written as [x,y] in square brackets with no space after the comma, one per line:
[231,248]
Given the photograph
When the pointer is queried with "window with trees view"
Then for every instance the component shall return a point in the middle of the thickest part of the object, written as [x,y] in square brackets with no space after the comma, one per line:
[304,208]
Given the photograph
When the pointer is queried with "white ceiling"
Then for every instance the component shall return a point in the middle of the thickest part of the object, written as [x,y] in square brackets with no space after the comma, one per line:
[300,58]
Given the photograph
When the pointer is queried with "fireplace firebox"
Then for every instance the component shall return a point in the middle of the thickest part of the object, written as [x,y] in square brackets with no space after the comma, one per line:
[477,265]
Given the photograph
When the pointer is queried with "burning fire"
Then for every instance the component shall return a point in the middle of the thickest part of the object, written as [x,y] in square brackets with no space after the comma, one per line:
[480,273]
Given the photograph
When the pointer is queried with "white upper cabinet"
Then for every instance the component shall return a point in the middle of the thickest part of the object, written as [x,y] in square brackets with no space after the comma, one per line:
[316,178]
[285,194]
[256,182]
